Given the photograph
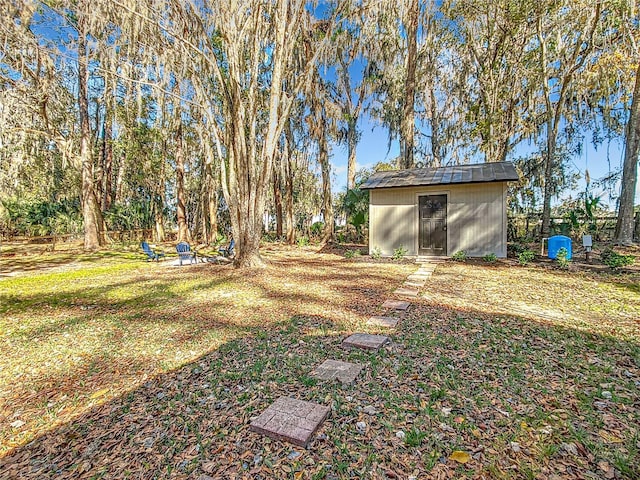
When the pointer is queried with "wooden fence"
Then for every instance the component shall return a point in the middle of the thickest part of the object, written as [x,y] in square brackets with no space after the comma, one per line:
[529,227]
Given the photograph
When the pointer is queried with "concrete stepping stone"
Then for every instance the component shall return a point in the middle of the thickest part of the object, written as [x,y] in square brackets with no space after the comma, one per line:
[430,260]
[396,305]
[291,420]
[406,292]
[414,284]
[418,278]
[387,322]
[365,341]
[336,370]
[424,271]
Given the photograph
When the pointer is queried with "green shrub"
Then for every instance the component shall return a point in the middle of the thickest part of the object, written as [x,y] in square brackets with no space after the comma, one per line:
[525,257]
[615,260]
[399,253]
[270,237]
[561,258]
[376,253]
[352,253]
[303,241]
[39,218]
[606,254]
[459,256]
[354,203]
[516,248]
[490,258]
[316,229]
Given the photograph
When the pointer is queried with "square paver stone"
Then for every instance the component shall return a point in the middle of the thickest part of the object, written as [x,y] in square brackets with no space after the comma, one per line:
[291,420]
[336,370]
[406,292]
[365,341]
[396,304]
[388,322]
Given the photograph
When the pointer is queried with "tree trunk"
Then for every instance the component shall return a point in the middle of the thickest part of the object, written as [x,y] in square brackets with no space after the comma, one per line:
[211,189]
[213,214]
[204,234]
[183,229]
[407,126]
[436,147]
[625,223]
[290,217]
[158,204]
[213,206]
[91,215]
[327,201]
[120,170]
[159,224]
[554,114]
[548,179]
[245,210]
[107,161]
[555,109]
[202,206]
[352,143]
[277,200]
[250,159]
[288,180]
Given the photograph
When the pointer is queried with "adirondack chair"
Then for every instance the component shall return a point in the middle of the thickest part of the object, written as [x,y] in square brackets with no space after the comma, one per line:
[151,255]
[185,253]
[229,251]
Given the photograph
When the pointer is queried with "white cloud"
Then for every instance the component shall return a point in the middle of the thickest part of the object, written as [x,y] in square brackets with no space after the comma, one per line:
[339,169]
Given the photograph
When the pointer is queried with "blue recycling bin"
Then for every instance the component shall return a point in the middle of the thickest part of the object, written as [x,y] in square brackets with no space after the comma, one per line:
[556,243]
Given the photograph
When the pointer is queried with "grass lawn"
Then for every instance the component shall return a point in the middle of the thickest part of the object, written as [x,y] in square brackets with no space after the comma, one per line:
[112,367]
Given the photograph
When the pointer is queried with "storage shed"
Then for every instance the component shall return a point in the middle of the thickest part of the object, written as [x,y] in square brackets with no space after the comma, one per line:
[440,211]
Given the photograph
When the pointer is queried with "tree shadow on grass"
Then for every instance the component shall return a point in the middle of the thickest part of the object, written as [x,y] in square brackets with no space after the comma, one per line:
[131,324]
[522,395]
[478,362]
[17,264]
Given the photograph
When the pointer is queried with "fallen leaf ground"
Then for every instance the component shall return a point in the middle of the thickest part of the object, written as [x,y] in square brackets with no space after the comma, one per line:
[117,368]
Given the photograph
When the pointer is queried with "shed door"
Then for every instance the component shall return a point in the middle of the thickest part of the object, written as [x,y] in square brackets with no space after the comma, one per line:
[433,225]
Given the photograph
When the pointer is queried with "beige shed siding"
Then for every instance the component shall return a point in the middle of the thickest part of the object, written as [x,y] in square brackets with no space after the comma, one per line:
[476,218]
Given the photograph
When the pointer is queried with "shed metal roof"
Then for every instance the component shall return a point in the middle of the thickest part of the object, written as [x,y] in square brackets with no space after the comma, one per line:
[418,177]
